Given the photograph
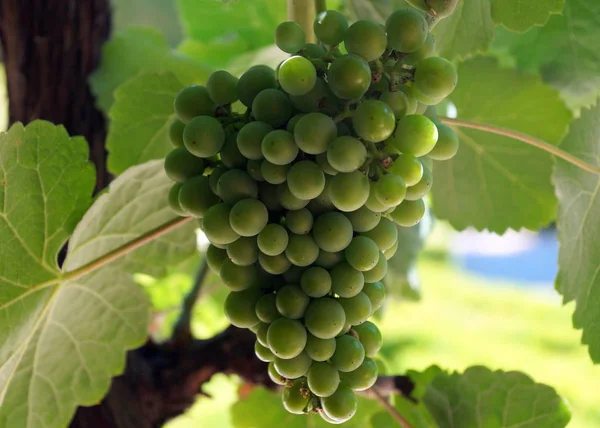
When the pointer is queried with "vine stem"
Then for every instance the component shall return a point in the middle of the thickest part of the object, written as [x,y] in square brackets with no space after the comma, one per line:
[389,408]
[182,331]
[126,248]
[320,6]
[303,12]
[527,139]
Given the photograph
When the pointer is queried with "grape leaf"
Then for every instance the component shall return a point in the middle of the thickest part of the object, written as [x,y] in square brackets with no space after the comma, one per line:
[140,119]
[416,414]
[471,188]
[64,332]
[578,194]
[135,50]
[520,16]
[480,397]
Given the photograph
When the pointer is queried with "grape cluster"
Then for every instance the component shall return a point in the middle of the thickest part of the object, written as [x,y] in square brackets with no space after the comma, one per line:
[300,195]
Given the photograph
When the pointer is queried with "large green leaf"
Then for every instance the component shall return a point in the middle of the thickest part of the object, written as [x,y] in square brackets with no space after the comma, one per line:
[578,194]
[495,182]
[140,119]
[520,16]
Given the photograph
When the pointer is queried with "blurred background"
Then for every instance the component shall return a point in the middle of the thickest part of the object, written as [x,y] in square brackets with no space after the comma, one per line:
[471,297]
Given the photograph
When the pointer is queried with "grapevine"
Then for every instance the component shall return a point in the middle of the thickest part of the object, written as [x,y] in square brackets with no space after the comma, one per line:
[300,195]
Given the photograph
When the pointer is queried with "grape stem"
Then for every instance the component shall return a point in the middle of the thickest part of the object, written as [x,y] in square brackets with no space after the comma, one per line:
[527,139]
[303,12]
[320,6]
[182,333]
[389,408]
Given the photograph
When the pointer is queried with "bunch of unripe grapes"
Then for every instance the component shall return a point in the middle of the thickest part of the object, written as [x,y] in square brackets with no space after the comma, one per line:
[300,194]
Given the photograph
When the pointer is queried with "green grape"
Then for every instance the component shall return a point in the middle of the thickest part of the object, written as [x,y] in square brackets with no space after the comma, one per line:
[412,101]
[266,309]
[384,234]
[378,272]
[447,144]
[239,308]
[261,332]
[238,278]
[213,178]
[293,121]
[390,253]
[322,203]
[314,132]
[176,132]
[296,397]
[253,81]
[322,161]
[408,213]
[203,136]
[425,51]
[286,337]
[421,188]
[328,419]
[180,165]
[346,281]
[243,252]
[299,221]
[273,239]
[288,200]
[235,185]
[327,259]
[362,253]
[319,349]
[275,376]
[273,107]
[215,224]
[346,154]
[349,191]
[274,174]
[363,219]
[267,194]
[349,77]
[275,265]
[253,168]
[324,318]
[358,308]
[222,87]
[341,405]
[193,101]
[390,190]
[435,77]
[366,39]
[415,134]
[323,379]
[248,217]
[250,137]
[297,75]
[330,27]
[293,274]
[376,293]
[427,162]
[263,353]
[292,301]
[424,101]
[363,377]
[173,199]
[231,157]
[195,196]
[315,282]
[289,37]
[254,328]
[332,231]
[294,368]
[306,180]
[302,250]
[349,353]
[370,338]
[313,99]
[215,257]
[406,30]
[374,121]
[408,168]
[313,50]
[398,102]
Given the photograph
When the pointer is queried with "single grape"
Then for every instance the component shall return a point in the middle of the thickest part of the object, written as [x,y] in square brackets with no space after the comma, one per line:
[253,81]
[324,318]
[398,102]
[447,144]
[273,239]
[306,180]
[213,178]
[323,379]
[248,217]
[358,308]
[363,219]
[366,39]
[370,338]
[176,132]
[341,405]
[302,250]
[408,168]
[267,194]
[250,137]
[327,259]
[239,307]
[231,157]
[173,199]
[238,278]
[408,213]
[374,121]
[349,191]
[313,50]
[346,154]
[412,101]
[215,224]
[330,420]
[424,101]
[346,281]
[330,27]
[263,353]
[275,265]
[425,51]
[261,333]
[376,293]
[292,122]
[332,231]
[275,376]
[266,309]
[286,337]
[289,37]
[420,189]
[297,75]
[193,101]
[312,100]
[299,221]
[323,202]
[195,196]
[215,257]
[296,397]
[378,272]
[384,234]
[222,87]
[243,251]
[363,377]
[180,165]
[362,253]
[407,30]
[390,253]
[293,368]
[292,301]
[288,200]
[349,77]
[322,161]
[273,107]
[314,132]
[203,136]
[349,353]
[316,282]
[235,185]
[415,134]
[390,190]
[274,174]
[253,168]
[435,77]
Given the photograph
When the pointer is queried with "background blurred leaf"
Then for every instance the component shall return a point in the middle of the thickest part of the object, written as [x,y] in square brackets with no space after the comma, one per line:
[520,16]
